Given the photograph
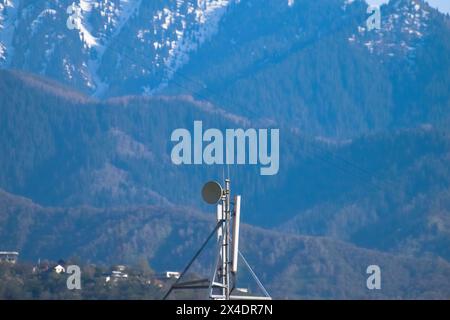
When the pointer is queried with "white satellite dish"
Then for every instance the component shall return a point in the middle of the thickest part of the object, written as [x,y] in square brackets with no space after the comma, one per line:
[212,192]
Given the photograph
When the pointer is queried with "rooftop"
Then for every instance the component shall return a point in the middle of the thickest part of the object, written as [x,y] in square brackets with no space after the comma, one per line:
[9,253]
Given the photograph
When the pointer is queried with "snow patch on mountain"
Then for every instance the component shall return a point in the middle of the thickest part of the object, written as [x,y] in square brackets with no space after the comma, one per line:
[8,15]
[403,25]
[113,18]
[45,14]
[206,15]
[84,27]
[442,5]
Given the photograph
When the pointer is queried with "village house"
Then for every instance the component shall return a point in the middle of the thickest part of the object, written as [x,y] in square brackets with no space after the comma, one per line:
[9,256]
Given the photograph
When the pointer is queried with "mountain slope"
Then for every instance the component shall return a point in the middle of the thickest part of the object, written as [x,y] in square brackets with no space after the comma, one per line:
[96,46]
[311,65]
[291,266]
[385,191]
[318,69]
[94,152]
[403,204]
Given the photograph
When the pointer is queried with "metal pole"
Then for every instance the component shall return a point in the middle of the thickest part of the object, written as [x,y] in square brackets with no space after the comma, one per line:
[223,250]
[227,238]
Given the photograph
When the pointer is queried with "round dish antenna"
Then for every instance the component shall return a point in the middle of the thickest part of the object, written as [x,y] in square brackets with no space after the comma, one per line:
[212,192]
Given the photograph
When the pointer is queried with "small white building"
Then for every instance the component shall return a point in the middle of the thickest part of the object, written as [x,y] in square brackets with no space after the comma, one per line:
[172,274]
[9,256]
[59,269]
[120,268]
[117,274]
[168,275]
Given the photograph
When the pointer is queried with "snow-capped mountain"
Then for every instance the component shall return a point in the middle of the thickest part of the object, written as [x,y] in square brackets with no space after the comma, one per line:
[118,39]
[116,47]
